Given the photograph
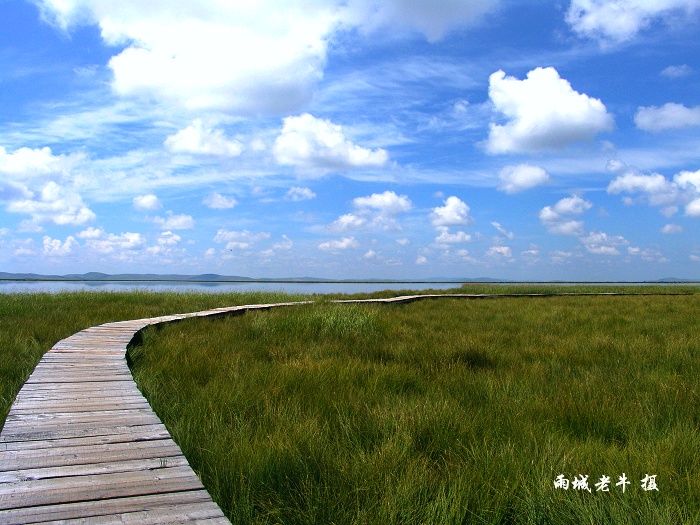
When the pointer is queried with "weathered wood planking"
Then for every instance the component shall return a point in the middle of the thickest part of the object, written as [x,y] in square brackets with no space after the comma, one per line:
[82,445]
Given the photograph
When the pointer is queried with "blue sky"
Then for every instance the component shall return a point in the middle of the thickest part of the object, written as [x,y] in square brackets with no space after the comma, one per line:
[403,139]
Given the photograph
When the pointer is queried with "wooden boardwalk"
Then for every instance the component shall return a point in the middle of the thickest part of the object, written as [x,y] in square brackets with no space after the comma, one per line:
[82,445]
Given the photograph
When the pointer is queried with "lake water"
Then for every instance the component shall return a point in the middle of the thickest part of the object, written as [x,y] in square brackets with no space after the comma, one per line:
[221,287]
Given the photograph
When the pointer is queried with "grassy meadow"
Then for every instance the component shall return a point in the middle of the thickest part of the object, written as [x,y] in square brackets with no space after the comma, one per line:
[445,411]
[32,323]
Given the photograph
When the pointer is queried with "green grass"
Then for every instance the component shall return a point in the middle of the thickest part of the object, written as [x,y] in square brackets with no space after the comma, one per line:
[30,324]
[449,411]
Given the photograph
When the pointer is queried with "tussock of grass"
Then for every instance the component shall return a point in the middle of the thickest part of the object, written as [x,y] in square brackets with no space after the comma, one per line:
[447,411]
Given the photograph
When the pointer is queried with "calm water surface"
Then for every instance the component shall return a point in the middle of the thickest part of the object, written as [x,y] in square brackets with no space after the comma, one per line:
[294,288]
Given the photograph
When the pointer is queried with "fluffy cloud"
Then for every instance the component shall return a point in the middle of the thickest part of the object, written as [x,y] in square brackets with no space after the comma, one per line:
[296,194]
[346,243]
[318,145]
[197,139]
[54,204]
[174,222]
[56,248]
[27,162]
[387,203]
[657,190]
[147,202]
[601,243]
[499,251]
[668,116]
[109,243]
[621,20]
[217,201]
[451,238]
[543,113]
[246,57]
[376,211]
[514,179]
[239,240]
[169,239]
[453,213]
[557,219]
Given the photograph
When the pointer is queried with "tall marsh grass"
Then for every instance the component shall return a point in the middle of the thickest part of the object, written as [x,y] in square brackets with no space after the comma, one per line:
[449,411]
[32,323]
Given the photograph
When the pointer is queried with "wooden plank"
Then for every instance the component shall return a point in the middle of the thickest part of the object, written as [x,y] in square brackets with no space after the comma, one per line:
[30,433]
[86,469]
[85,454]
[53,491]
[118,435]
[200,513]
[91,509]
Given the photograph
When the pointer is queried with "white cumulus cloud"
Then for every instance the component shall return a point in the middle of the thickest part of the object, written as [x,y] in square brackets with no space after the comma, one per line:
[296,194]
[621,20]
[558,218]
[174,222]
[674,72]
[56,248]
[346,243]
[197,139]
[376,211]
[544,112]
[668,116]
[313,144]
[657,190]
[54,204]
[217,201]
[514,179]
[240,240]
[453,213]
[147,202]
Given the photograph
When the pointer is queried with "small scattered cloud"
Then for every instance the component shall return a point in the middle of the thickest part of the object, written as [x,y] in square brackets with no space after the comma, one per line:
[196,139]
[674,72]
[318,145]
[421,260]
[668,116]
[514,179]
[453,213]
[296,194]
[56,248]
[239,240]
[147,202]
[621,20]
[670,229]
[503,231]
[500,251]
[169,239]
[558,218]
[378,211]
[544,113]
[216,201]
[174,222]
[55,204]
[601,243]
[657,190]
[346,243]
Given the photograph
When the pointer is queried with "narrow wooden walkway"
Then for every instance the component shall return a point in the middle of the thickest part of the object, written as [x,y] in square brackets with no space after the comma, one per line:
[82,445]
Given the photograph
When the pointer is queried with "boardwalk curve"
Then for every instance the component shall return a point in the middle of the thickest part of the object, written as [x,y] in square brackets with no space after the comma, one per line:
[82,445]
